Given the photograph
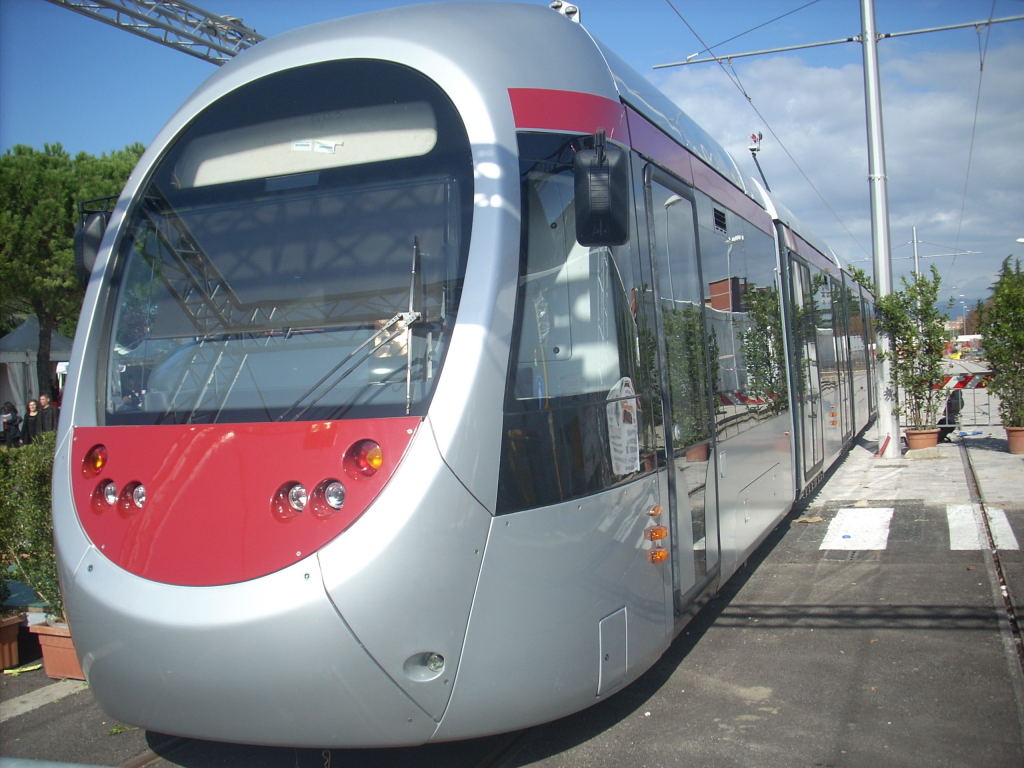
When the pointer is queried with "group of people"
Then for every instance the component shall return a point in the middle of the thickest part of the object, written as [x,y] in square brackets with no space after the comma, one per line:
[40,416]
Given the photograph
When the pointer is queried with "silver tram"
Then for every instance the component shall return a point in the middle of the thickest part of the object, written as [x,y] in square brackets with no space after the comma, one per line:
[425,388]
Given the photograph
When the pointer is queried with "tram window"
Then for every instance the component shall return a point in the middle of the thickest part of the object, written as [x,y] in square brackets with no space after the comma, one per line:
[682,312]
[744,319]
[573,412]
[572,300]
[263,278]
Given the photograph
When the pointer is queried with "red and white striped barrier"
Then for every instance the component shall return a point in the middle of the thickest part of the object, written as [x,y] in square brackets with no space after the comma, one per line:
[965,381]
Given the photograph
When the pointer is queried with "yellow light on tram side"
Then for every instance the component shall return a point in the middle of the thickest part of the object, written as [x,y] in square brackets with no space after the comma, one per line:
[657,555]
[657,533]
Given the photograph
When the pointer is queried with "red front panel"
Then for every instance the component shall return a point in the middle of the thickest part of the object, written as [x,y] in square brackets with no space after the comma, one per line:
[569,111]
[208,516]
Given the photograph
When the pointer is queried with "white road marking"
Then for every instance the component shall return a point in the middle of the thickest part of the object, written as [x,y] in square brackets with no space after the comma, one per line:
[965,532]
[39,697]
[1002,533]
[859,529]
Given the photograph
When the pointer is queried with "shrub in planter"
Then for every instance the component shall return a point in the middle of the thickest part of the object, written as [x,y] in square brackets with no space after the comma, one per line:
[910,318]
[1002,328]
[26,523]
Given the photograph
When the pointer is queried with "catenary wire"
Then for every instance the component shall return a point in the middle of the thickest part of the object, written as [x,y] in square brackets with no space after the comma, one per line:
[982,51]
[734,78]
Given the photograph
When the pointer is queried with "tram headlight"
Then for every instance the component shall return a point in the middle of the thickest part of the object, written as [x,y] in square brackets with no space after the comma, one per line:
[363,458]
[289,500]
[133,497]
[297,497]
[328,498]
[334,494]
[104,496]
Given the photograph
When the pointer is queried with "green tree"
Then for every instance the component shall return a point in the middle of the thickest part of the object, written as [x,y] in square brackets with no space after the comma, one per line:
[39,195]
[910,317]
[1002,329]
[861,277]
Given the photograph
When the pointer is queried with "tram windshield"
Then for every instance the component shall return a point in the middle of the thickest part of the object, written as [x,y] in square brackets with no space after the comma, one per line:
[297,254]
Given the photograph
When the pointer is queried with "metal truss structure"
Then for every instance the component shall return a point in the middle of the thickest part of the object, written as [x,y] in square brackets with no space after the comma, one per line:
[174,23]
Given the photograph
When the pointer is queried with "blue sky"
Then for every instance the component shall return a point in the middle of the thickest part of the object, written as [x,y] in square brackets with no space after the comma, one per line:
[69,79]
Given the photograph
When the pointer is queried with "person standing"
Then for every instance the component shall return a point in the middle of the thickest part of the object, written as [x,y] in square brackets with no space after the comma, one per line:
[9,420]
[47,415]
[30,427]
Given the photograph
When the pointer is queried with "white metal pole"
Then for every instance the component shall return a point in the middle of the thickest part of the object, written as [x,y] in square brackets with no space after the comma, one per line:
[888,423]
[917,259]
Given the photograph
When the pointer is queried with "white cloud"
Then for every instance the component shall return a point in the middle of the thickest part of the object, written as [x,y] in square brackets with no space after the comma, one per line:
[928,113]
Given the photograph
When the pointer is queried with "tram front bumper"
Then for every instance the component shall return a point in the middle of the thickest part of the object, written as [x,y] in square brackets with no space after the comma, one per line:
[268,661]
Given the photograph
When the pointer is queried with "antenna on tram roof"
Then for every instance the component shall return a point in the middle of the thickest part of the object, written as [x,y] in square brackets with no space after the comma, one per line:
[755,147]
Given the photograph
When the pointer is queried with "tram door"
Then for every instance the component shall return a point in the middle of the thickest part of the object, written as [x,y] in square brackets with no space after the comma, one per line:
[808,375]
[688,410]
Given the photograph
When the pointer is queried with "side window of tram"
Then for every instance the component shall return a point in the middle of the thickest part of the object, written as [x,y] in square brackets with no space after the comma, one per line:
[571,422]
[745,319]
[572,302]
[682,311]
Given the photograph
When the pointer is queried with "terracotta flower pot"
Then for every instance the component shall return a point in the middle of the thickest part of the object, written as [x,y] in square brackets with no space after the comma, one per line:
[1015,439]
[9,640]
[922,438]
[698,453]
[59,657]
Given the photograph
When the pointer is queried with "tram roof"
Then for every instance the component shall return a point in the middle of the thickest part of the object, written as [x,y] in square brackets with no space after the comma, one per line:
[562,55]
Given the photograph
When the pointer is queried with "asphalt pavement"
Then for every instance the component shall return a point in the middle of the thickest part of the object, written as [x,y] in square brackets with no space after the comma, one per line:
[877,626]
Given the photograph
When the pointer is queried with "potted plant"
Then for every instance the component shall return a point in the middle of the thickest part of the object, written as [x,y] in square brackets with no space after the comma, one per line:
[10,625]
[10,620]
[915,328]
[26,526]
[1002,328]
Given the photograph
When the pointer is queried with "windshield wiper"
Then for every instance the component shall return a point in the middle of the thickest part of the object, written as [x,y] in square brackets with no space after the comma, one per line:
[391,330]
[415,289]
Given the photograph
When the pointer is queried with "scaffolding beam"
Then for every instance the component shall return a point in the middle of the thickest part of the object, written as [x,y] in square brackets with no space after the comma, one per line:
[174,23]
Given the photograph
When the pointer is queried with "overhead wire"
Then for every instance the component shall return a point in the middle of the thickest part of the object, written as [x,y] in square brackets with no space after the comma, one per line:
[982,52]
[709,49]
[735,80]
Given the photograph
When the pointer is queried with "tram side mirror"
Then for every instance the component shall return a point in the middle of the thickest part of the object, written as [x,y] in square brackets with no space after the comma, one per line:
[601,180]
[88,237]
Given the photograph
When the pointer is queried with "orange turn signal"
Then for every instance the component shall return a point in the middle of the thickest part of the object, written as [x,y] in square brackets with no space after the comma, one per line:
[95,460]
[657,533]
[363,458]
[657,555]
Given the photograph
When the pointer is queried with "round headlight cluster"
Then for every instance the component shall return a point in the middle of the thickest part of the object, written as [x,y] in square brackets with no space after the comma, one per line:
[292,498]
[105,495]
[362,459]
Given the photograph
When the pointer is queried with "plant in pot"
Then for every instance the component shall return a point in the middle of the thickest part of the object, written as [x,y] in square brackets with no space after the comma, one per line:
[1002,328]
[28,548]
[915,328]
[10,625]
[10,619]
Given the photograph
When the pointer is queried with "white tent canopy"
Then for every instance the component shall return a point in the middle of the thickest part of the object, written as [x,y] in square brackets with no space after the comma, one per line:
[18,350]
